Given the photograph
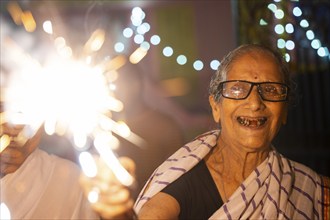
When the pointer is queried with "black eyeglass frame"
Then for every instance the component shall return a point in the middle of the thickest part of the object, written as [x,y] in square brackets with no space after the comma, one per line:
[257,84]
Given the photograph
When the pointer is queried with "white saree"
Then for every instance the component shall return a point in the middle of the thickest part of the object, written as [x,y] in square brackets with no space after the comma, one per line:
[45,187]
[277,189]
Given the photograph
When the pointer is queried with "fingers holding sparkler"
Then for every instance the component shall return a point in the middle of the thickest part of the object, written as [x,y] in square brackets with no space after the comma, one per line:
[15,147]
[11,129]
[107,194]
[12,135]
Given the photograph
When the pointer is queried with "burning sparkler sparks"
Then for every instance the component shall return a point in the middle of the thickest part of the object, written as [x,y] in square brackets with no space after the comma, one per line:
[68,95]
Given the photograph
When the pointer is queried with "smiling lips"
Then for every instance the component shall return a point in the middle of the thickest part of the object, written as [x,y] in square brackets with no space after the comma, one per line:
[251,122]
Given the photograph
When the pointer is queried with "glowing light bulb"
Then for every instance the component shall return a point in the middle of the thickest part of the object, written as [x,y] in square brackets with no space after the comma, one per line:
[181,59]
[198,65]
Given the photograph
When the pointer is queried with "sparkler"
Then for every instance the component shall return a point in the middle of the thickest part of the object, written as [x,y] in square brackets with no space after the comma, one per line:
[68,96]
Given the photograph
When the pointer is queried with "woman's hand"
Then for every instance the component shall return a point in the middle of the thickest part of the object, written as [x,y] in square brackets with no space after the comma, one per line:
[108,197]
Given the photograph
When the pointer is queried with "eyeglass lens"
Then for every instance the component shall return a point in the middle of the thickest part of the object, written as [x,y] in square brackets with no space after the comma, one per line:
[269,91]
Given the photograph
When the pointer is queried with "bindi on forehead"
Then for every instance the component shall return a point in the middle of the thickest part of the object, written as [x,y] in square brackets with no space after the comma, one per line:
[255,77]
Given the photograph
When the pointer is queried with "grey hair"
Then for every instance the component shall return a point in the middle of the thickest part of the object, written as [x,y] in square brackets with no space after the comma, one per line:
[226,64]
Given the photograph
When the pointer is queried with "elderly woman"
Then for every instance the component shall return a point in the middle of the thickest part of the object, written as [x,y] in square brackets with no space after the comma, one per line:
[235,172]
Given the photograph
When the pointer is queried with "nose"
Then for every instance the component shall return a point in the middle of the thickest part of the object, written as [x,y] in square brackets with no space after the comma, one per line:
[255,101]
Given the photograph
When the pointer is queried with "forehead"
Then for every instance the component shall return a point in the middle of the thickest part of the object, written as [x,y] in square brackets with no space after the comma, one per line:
[255,66]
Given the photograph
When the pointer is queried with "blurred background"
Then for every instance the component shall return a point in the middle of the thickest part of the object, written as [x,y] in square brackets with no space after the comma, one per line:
[174,47]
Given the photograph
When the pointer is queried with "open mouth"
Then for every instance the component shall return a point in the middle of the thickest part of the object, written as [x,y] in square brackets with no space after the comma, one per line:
[252,122]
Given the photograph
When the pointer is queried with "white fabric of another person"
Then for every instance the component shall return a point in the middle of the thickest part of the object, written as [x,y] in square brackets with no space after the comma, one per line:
[45,187]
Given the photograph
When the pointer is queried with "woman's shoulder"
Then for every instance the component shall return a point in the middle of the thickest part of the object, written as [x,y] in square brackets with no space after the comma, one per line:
[298,168]
[305,174]
[303,169]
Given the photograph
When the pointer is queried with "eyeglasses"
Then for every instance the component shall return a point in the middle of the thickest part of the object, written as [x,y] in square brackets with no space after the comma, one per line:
[241,89]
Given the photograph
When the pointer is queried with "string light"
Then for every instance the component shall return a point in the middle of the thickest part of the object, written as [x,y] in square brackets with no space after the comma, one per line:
[167,51]
[297,11]
[289,28]
[128,32]
[279,14]
[119,47]
[262,22]
[214,64]
[310,35]
[141,28]
[155,39]
[281,43]
[279,29]
[289,45]
[181,59]
[138,39]
[198,65]
[145,45]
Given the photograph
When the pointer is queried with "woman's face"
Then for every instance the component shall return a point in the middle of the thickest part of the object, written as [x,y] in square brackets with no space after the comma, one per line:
[263,118]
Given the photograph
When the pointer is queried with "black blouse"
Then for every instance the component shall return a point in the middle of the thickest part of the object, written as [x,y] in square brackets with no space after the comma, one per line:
[196,193]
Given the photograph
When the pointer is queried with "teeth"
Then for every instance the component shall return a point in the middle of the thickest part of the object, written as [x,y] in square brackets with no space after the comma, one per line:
[246,122]
[251,122]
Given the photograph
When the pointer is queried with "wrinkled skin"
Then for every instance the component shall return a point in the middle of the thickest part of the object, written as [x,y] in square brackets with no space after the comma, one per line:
[254,67]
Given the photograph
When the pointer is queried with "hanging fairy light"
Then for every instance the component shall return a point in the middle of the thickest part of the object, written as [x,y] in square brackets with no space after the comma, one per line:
[214,64]
[289,28]
[140,28]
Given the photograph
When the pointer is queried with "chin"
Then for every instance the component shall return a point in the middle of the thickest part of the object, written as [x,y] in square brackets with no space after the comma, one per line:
[255,146]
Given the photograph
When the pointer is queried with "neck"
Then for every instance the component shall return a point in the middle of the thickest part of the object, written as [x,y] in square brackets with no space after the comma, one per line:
[230,165]
[237,163]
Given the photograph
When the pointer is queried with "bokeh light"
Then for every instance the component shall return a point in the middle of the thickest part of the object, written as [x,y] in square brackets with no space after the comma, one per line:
[198,65]
[155,39]
[316,44]
[181,59]
[119,47]
[304,23]
[290,45]
[280,43]
[310,35]
[279,29]
[297,11]
[289,28]
[167,51]
[214,64]
[279,14]
[128,32]
[138,39]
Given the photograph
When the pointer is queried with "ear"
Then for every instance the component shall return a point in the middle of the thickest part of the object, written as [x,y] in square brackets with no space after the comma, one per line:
[215,109]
